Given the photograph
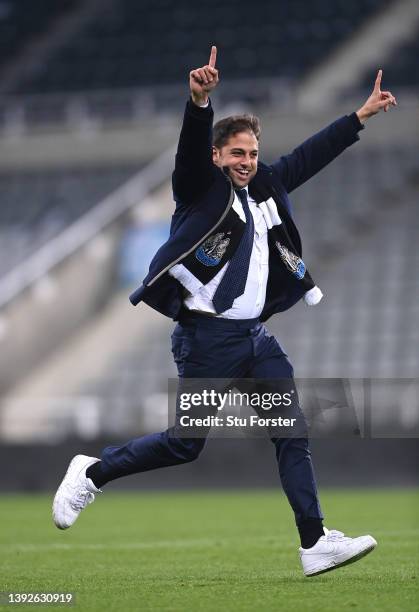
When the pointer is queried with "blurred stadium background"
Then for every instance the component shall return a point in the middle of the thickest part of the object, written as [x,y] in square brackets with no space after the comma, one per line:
[91,101]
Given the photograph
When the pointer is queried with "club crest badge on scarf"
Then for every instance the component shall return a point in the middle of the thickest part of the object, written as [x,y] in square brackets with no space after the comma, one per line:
[212,250]
[294,263]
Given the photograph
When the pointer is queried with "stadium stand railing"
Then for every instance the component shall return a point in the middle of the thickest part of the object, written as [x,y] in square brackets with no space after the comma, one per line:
[401,67]
[39,205]
[68,279]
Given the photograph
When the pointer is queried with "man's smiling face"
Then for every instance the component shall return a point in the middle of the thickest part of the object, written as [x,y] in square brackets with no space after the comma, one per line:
[240,156]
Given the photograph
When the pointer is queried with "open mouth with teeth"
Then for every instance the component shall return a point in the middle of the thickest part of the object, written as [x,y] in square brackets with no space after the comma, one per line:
[242,173]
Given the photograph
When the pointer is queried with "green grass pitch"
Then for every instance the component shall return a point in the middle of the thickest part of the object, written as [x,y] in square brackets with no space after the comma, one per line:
[209,551]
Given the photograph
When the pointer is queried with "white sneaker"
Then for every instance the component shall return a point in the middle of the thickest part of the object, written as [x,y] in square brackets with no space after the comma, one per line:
[333,550]
[74,493]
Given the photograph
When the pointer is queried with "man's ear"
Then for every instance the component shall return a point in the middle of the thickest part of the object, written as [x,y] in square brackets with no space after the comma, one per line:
[215,154]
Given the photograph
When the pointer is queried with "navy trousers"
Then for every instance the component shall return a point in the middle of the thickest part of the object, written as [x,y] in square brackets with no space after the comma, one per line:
[208,347]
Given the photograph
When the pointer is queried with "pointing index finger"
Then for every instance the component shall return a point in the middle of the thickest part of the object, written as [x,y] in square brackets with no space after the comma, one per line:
[213,57]
[377,85]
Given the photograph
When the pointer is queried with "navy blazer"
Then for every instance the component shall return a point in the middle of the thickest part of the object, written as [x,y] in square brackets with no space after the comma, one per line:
[204,194]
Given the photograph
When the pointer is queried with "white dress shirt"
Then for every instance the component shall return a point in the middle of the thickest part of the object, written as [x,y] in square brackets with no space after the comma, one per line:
[250,304]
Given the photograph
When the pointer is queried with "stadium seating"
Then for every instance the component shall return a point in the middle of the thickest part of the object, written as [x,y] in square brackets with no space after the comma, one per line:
[363,260]
[36,206]
[133,44]
[22,20]
[344,195]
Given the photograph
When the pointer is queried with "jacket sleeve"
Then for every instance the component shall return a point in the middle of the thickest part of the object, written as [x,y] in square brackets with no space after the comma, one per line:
[318,151]
[194,168]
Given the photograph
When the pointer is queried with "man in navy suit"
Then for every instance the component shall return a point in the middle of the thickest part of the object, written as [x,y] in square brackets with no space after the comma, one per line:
[233,258]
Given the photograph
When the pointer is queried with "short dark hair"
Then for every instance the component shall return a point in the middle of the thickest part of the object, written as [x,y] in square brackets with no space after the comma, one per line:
[230,126]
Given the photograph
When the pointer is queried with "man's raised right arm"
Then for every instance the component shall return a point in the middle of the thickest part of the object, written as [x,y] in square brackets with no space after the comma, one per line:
[194,168]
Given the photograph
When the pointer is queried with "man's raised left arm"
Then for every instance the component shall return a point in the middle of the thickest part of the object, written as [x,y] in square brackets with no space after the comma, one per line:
[319,150]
